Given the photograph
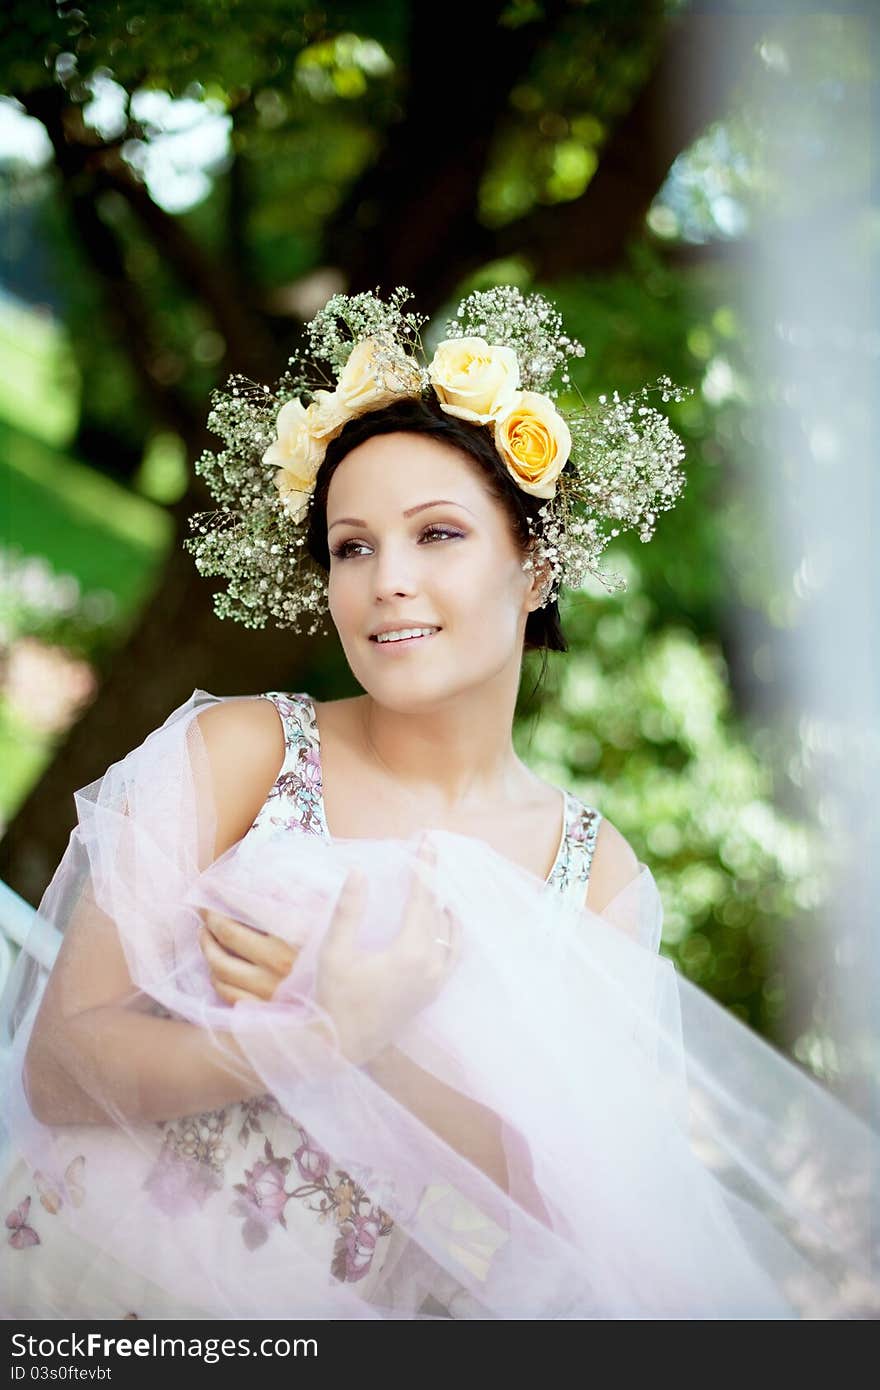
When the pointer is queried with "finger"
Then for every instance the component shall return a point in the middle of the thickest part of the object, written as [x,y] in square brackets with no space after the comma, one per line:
[453,952]
[264,989]
[426,859]
[227,931]
[445,947]
[419,915]
[442,944]
[342,932]
[259,947]
[230,970]
[232,995]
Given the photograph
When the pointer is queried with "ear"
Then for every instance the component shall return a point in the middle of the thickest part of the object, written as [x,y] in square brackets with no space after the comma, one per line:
[541,580]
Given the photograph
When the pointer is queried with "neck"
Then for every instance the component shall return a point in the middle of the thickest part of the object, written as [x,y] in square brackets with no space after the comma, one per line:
[455,754]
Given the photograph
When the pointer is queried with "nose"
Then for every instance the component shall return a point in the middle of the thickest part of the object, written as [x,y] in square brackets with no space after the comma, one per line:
[393,573]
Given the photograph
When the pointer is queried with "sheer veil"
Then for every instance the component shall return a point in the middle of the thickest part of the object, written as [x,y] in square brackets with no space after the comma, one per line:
[562,1126]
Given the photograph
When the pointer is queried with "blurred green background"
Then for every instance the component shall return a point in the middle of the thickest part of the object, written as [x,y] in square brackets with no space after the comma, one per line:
[182,188]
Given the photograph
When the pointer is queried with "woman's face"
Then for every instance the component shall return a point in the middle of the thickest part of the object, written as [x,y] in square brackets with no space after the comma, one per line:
[453,565]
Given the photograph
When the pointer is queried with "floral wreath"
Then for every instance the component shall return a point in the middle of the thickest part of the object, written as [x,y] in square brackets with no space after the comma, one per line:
[598,470]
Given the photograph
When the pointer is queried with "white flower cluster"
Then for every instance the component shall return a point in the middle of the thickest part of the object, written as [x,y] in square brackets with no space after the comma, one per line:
[248,540]
[346,319]
[531,326]
[598,470]
[628,470]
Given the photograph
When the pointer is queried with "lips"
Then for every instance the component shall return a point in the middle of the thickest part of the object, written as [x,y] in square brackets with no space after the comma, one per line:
[405,641]
[403,627]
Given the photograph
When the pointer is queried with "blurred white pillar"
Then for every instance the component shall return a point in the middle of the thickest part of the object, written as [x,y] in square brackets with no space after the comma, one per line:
[810,297]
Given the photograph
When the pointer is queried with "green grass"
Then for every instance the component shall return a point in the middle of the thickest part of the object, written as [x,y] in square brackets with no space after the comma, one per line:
[55,506]
[24,753]
[86,525]
[39,382]
[82,522]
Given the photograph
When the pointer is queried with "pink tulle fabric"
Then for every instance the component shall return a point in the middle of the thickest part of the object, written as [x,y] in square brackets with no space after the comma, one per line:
[568,1130]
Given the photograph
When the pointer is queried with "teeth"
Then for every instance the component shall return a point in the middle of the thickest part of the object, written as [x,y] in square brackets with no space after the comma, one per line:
[403,632]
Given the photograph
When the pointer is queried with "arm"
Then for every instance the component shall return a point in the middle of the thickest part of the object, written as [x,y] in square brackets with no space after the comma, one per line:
[93,1034]
[144,1068]
[471,1129]
[615,868]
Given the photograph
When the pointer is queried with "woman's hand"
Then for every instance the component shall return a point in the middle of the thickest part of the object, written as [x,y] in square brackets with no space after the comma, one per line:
[370,995]
[244,963]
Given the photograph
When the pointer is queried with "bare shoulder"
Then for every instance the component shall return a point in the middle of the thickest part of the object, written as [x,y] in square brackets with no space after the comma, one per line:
[244,743]
[615,864]
[249,726]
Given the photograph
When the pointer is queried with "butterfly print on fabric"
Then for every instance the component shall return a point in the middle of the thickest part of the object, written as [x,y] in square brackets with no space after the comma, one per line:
[54,1192]
[22,1235]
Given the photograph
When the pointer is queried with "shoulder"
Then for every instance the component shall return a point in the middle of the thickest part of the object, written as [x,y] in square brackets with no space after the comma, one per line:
[247,725]
[244,745]
[615,864]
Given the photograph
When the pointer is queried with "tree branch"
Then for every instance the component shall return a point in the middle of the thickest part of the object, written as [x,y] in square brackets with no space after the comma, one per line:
[426,182]
[422,193]
[101,250]
[592,232]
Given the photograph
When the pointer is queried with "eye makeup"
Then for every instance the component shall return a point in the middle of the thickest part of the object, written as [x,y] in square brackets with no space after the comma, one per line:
[343,551]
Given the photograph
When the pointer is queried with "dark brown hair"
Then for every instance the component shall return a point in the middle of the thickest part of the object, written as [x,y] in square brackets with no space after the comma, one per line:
[415,415]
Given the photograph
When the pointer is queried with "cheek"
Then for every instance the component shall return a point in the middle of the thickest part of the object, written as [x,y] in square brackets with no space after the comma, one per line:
[342,597]
[486,609]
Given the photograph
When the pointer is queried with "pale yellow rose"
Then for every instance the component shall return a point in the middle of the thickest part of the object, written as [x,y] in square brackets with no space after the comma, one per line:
[296,456]
[294,494]
[295,447]
[534,441]
[472,380]
[375,375]
[326,416]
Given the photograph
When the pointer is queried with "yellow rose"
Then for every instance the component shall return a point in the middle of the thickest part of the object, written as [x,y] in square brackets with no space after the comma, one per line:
[326,416]
[375,375]
[534,441]
[294,494]
[296,456]
[295,447]
[472,380]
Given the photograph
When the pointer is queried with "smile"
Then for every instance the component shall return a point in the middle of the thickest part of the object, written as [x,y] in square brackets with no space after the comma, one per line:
[405,637]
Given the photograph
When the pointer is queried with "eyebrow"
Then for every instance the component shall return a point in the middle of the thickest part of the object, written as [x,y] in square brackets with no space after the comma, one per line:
[410,511]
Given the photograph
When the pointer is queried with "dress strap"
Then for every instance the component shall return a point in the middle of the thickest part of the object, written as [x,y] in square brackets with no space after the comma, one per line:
[572,871]
[584,830]
[299,785]
[297,714]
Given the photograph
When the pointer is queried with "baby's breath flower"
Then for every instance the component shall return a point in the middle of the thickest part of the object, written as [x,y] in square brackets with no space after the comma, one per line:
[346,319]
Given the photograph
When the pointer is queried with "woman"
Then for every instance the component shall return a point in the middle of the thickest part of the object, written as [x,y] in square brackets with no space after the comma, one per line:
[396,1076]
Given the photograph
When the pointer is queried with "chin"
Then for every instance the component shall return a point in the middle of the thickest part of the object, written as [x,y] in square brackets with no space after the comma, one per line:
[406,692]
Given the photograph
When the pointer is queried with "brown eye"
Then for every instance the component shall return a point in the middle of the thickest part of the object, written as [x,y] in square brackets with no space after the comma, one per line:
[343,551]
[439,531]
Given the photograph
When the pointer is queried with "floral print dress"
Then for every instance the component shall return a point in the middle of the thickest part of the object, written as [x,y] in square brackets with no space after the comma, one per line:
[265,1165]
